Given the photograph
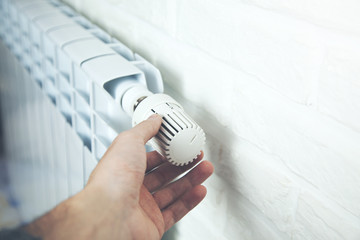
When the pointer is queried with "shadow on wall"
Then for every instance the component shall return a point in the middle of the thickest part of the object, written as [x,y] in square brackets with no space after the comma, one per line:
[219,140]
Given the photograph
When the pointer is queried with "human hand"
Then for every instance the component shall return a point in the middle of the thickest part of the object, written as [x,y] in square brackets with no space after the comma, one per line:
[129,194]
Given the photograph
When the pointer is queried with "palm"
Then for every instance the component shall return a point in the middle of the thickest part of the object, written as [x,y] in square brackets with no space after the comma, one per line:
[149,223]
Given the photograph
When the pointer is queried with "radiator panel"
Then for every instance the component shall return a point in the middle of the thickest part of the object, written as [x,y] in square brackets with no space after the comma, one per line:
[59,116]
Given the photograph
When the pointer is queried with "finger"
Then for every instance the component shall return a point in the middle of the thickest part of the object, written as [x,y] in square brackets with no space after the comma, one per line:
[173,191]
[154,159]
[148,128]
[166,173]
[181,207]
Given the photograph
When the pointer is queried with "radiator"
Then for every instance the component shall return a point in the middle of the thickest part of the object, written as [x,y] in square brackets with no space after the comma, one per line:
[58,111]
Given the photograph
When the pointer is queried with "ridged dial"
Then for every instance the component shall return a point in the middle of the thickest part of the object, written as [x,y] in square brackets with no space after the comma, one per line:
[180,139]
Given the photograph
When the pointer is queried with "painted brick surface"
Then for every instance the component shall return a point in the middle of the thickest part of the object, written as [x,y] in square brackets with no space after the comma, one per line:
[339,86]
[334,14]
[275,84]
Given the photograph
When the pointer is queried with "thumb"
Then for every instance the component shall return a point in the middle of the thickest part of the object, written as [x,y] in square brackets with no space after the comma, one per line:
[148,128]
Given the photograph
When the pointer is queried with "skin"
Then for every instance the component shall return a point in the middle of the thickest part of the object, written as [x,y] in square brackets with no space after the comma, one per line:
[130,194]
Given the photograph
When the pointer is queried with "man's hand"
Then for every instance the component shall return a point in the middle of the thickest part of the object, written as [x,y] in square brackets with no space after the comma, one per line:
[130,194]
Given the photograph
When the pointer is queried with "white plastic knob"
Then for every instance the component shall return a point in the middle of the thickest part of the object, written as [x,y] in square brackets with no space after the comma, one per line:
[180,139]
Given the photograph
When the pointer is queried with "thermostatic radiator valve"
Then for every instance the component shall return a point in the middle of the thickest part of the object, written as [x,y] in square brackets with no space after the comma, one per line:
[180,139]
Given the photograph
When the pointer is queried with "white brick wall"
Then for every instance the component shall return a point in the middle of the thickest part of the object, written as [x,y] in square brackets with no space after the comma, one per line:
[276,86]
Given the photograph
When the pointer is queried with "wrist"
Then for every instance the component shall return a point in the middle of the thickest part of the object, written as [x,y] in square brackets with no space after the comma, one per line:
[45,225]
[82,214]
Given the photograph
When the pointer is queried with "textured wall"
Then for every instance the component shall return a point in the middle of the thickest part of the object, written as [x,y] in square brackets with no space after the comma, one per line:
[276,86]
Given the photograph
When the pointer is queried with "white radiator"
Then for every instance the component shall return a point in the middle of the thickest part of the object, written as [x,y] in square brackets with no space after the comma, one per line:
[58,110]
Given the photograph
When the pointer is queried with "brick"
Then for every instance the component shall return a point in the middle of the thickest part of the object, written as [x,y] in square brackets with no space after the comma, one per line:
[316,219]
[282,53]
[252,174]
[339,88]
[161,14]
[309,144]
[235,217]
[334,14]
